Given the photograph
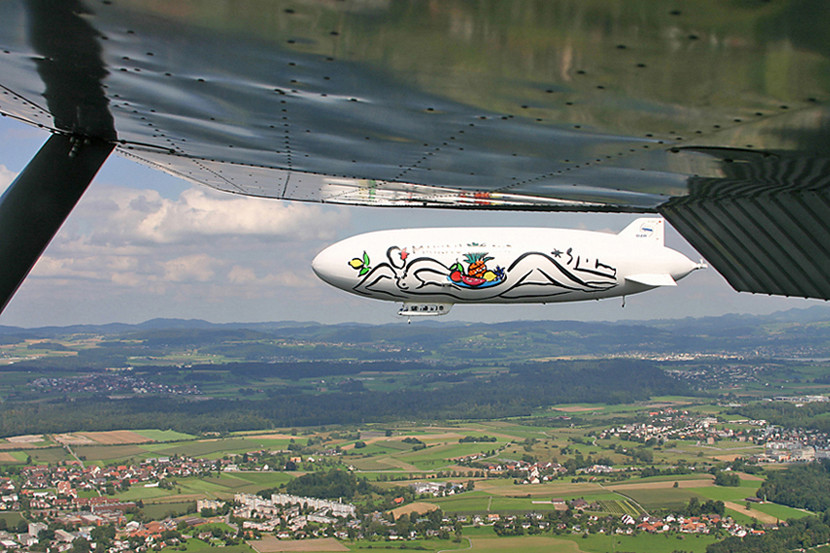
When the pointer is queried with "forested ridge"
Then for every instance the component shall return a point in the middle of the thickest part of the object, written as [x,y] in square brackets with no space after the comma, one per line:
[516,392]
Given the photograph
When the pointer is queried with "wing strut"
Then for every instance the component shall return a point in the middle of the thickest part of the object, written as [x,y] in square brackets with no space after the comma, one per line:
[40,199]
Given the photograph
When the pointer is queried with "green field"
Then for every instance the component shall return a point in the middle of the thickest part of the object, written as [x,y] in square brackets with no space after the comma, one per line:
[373,464]
[262,479]
[516,505]
[246,482]
[434,545]
[728,493]
[463,503]
[781,512]
[214,448]
[139,492]
[19,457]
[46,455]
[437,457]
[619,507]
[165,435]
[158,511]
[111,452]
[651,543]
[662,498]
[195,545]
[221,487]
[669,478]
[11,519]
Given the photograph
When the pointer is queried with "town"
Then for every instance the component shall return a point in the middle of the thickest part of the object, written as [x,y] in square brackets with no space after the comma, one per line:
[71,500]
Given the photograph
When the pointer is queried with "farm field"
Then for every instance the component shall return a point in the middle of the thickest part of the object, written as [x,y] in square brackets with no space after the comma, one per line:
[399,455]
[529,436]
[651,543]
[196,546]
[270,544]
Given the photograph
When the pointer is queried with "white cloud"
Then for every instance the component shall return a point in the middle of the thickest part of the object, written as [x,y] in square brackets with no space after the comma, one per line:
[290,279]
[68,267]
[124,215]
[197,267]
[130,280]
[241,275]
[197,245]
[283,279]
[6,178]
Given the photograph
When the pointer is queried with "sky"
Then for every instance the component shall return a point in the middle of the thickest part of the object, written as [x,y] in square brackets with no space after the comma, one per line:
[142,245]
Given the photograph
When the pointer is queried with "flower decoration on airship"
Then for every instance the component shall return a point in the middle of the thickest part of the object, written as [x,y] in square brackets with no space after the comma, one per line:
[361,264]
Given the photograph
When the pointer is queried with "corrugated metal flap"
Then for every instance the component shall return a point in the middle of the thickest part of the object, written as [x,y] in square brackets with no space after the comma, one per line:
[764,226]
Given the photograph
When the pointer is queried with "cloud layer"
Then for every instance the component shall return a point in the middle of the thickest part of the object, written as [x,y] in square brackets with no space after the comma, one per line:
[215,245]
[129,216]
[6,178]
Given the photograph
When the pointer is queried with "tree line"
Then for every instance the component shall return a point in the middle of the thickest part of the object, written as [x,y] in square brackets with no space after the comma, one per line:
[800,486]
[518,392]
[811,416]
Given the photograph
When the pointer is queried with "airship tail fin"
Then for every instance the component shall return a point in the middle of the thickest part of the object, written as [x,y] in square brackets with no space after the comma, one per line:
[649,229]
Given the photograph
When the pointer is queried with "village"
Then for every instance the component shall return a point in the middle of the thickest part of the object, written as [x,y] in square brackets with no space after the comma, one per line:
[113,384]
[585,522]
[68,502]
[780,445]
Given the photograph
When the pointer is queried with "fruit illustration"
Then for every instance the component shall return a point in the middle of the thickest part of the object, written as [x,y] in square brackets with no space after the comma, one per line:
[476,275]
[477,264]
[472,281]
[361,264]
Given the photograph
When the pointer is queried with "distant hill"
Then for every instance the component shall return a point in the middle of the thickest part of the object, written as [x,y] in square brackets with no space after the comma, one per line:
[792,332]
[814,314]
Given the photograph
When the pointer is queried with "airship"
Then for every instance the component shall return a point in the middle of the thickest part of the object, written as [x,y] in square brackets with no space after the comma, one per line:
[429,270]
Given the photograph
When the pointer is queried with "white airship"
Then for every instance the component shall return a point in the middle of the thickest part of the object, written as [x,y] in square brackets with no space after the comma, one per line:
[431,269]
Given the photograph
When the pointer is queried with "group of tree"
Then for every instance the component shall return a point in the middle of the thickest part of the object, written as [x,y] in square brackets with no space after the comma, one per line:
[333,484]
[727,478]
[476,439]
[416,443]
[695,508]
[338,484]
[783,413]
[804,486]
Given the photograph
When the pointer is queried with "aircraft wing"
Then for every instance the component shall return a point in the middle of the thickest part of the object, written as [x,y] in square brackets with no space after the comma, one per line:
[712,113]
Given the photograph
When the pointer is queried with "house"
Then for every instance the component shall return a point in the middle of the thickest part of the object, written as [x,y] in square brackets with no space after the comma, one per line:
[579,504]
[63,535]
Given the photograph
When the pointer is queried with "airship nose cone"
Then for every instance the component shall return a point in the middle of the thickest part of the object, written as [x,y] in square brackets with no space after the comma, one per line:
[331,266]
[323,265]
[316,265]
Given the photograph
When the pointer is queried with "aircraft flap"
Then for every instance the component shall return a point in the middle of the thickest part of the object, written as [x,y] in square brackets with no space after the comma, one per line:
[653,279]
